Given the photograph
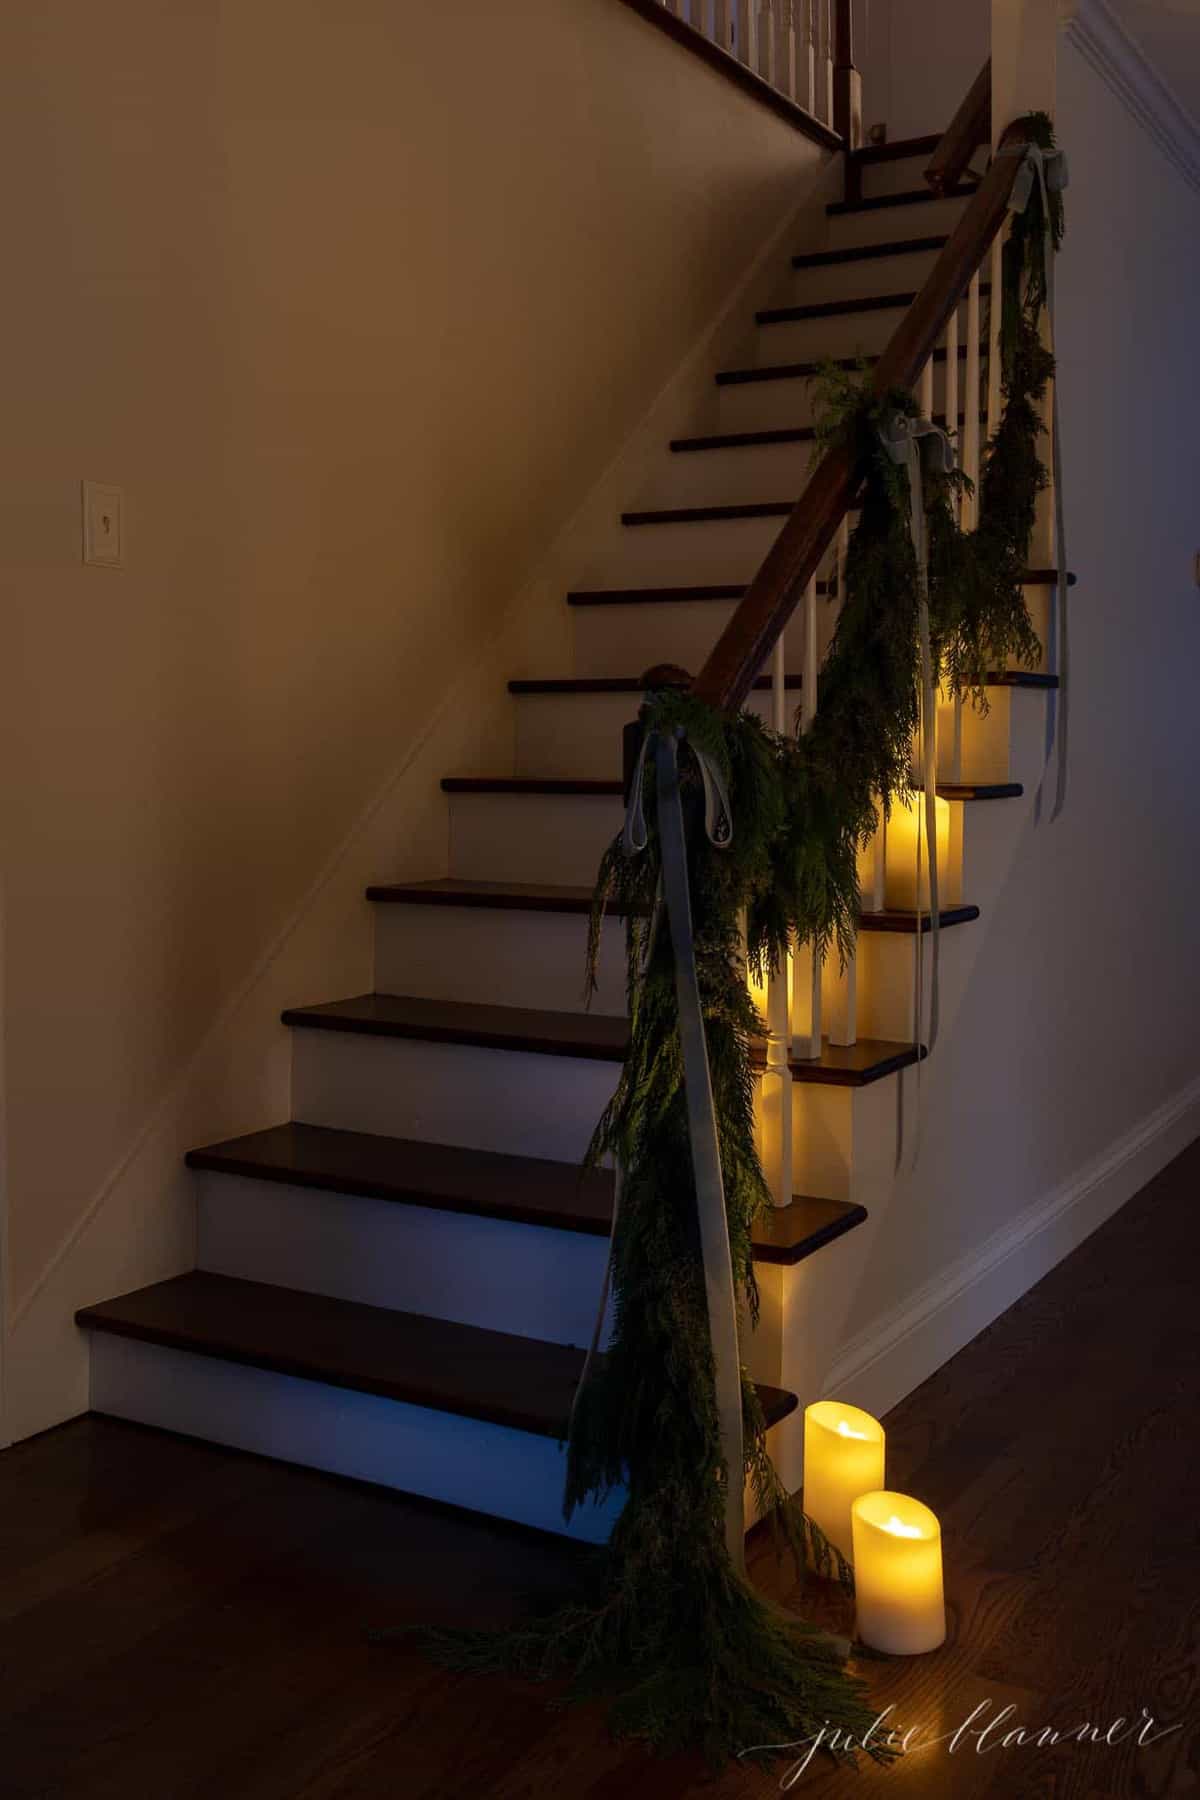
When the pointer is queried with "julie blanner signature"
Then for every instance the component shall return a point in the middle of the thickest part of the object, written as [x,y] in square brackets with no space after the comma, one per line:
[977,1733]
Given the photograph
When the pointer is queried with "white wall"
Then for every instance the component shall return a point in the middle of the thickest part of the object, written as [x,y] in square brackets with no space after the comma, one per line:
[1079,1026]
[358,306]
[918,58]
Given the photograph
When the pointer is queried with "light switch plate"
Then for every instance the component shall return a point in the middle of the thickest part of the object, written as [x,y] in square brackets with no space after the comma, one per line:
[103,534]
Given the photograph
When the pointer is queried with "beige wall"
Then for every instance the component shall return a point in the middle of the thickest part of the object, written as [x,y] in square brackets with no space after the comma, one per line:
[356,304]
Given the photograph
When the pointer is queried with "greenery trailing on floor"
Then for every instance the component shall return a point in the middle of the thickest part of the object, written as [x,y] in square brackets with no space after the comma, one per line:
[686,1650]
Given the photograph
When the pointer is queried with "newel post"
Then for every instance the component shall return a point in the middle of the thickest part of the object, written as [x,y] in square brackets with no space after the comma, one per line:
[1024,58]
[847,82]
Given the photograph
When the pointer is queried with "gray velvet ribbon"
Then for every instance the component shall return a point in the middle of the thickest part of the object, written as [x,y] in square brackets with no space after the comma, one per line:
[716,1258]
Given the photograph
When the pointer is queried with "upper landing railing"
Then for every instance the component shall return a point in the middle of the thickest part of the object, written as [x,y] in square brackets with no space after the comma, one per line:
[801,50]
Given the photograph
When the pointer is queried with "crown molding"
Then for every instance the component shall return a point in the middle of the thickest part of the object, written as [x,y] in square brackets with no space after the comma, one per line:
[1104,42]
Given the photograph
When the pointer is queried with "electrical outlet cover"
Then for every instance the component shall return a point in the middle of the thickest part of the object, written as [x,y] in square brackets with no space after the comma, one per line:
[102,525]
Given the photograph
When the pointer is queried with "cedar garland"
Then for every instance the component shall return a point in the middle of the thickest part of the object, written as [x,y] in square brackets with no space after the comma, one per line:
[686,1651]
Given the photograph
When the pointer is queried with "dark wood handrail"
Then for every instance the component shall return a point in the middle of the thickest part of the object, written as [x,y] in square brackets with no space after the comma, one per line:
[772,596]
[970,127]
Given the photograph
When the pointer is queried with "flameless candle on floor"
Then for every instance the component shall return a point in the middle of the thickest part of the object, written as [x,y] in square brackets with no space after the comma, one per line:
[843,1458]
[898,1574]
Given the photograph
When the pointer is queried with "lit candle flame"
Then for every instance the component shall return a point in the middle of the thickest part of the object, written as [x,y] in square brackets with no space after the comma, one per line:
[845,1431]
[898,1528]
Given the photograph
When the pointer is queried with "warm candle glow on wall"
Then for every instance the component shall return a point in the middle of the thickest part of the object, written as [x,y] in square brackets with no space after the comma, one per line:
[902,833]
[843,1458]
[898,1574]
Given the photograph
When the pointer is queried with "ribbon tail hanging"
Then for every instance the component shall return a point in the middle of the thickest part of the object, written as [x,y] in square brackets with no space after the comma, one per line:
[706,1152]
[1049,171]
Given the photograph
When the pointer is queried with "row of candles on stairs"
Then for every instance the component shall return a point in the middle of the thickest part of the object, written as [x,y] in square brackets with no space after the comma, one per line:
[893,1542]
[897,877]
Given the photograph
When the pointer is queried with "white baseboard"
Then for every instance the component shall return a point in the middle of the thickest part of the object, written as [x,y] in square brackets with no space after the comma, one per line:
[878,1367]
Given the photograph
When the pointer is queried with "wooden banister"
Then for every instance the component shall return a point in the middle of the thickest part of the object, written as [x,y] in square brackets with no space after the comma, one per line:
[772,596]
[970,127]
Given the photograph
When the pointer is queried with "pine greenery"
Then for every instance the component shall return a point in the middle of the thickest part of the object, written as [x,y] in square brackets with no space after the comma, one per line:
[688,1653]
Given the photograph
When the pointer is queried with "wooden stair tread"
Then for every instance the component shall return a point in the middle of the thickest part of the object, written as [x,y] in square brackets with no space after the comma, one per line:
[523,1190]
[898,150]
[594,788]
[829,259]
[636,684]
[779,434]
[522,897]
[668,596]
[833,309]
[961,190]
[804,371]
[980,790]
[696,515]
[518,1382]
[592,1037]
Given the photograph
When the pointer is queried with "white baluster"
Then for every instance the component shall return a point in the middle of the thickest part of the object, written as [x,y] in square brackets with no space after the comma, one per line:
[829,48]
[993,400]
[810,44]
[925,391]
[699,16]
[806,967]
[843,1005]
[766,41]
[723,23]
[785,47]
[745,32]
[972,404]
[777,1077]
[951,384]
[879,864]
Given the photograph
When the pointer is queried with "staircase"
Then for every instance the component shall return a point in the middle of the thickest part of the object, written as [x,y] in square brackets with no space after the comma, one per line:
[399,1283]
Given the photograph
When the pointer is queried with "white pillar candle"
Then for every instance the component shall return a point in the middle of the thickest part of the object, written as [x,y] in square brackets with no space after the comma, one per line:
[843,1458]
[898,1574]
[905,826]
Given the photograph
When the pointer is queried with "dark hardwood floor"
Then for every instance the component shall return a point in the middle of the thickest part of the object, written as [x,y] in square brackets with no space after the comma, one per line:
[178,1620]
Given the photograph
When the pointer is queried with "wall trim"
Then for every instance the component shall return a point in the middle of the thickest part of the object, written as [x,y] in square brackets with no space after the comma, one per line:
[1100,38]
[910,1343]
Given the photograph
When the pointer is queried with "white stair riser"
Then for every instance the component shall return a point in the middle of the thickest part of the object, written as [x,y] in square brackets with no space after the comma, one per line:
[580,734]
[885,224]
[628,640]
[465,1462]
[881,275]
[518,1101]
[531,837]
[524,1279]
[785,403]
[901,175]
[808,340]
[887,977]
[709,552]
[497,956]
[839,335]
[723,477]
